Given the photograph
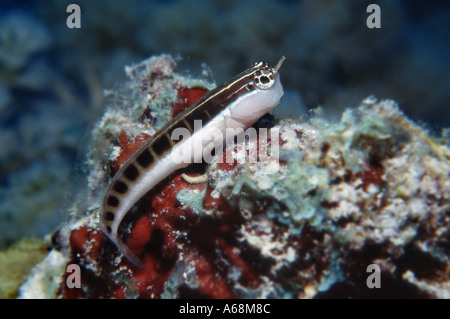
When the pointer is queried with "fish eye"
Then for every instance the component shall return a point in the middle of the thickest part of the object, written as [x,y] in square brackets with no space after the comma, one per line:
[264,79]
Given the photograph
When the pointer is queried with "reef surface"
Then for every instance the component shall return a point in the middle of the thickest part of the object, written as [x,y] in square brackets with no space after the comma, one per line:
[52,77]
[370,188]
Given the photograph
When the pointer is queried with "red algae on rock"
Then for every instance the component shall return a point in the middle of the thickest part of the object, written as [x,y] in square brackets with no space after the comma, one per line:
[164,232]
[127,148]
[187,97]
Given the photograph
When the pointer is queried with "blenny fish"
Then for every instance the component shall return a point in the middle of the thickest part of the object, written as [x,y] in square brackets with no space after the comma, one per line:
[238,103]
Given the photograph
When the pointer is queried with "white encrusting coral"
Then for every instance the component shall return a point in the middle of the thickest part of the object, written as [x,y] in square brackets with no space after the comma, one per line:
[45,278]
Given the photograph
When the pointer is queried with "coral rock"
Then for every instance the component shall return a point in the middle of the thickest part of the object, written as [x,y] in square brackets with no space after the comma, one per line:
[372,188]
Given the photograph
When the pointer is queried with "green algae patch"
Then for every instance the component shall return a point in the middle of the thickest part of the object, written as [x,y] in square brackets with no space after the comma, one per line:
[16,263]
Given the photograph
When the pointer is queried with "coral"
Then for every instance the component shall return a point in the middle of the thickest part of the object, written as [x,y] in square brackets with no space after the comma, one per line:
[51,86]
[370,188]
[16,262]
[45,279]
[368,185]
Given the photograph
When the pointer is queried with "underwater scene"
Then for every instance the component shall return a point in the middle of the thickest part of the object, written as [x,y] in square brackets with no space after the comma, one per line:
[255,149]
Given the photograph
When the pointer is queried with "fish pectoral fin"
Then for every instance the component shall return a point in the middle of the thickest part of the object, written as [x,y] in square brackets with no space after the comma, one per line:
[128,254]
